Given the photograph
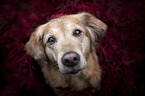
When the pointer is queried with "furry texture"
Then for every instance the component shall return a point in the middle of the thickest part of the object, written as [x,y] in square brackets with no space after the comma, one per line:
[49,55]
[121,52]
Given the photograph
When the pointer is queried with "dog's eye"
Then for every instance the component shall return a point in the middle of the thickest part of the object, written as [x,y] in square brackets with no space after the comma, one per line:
[51,40]
[77,32]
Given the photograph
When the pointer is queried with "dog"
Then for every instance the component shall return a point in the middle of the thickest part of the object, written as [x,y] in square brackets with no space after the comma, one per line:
[64,47]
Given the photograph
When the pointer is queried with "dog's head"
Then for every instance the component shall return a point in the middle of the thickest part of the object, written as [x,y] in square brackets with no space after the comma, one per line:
[66,41]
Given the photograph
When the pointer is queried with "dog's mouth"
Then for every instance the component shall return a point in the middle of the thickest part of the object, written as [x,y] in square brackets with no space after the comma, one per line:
[75,72]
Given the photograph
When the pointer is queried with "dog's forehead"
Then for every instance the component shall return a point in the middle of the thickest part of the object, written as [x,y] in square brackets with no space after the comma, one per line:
[64,23]
[64,20]
[57,20]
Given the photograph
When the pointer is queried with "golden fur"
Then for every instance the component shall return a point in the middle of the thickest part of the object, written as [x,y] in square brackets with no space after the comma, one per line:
[49,55]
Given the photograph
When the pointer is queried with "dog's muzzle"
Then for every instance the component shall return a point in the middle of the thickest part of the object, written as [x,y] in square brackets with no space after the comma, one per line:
[70,60]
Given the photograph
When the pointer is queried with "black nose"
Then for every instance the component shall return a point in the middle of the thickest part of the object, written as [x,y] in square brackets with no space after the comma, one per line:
[70,59]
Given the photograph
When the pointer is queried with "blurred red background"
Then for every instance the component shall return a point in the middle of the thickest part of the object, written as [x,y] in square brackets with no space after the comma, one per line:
[121,52]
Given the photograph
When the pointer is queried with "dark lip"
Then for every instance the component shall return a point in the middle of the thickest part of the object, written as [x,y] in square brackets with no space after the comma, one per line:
[74,71]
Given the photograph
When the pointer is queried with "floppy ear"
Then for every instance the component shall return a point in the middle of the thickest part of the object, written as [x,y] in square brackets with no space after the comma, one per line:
[96,27]
[34,45]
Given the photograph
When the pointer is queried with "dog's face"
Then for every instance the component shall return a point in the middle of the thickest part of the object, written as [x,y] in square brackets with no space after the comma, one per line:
[66,41]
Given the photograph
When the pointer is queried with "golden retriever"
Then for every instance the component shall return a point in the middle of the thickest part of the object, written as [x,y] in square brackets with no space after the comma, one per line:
[65,49]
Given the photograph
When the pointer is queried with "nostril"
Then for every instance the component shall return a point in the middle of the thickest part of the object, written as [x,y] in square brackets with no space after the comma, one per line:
[75,59]
[66,61]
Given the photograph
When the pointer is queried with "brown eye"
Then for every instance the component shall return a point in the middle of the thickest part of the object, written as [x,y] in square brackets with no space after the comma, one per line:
[51,40]
[77,32]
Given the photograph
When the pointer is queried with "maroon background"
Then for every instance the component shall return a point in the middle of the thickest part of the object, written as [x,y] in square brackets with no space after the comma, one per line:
[121,53]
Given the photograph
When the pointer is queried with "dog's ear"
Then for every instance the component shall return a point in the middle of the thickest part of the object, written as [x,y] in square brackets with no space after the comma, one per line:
[34,46]
[96,27]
